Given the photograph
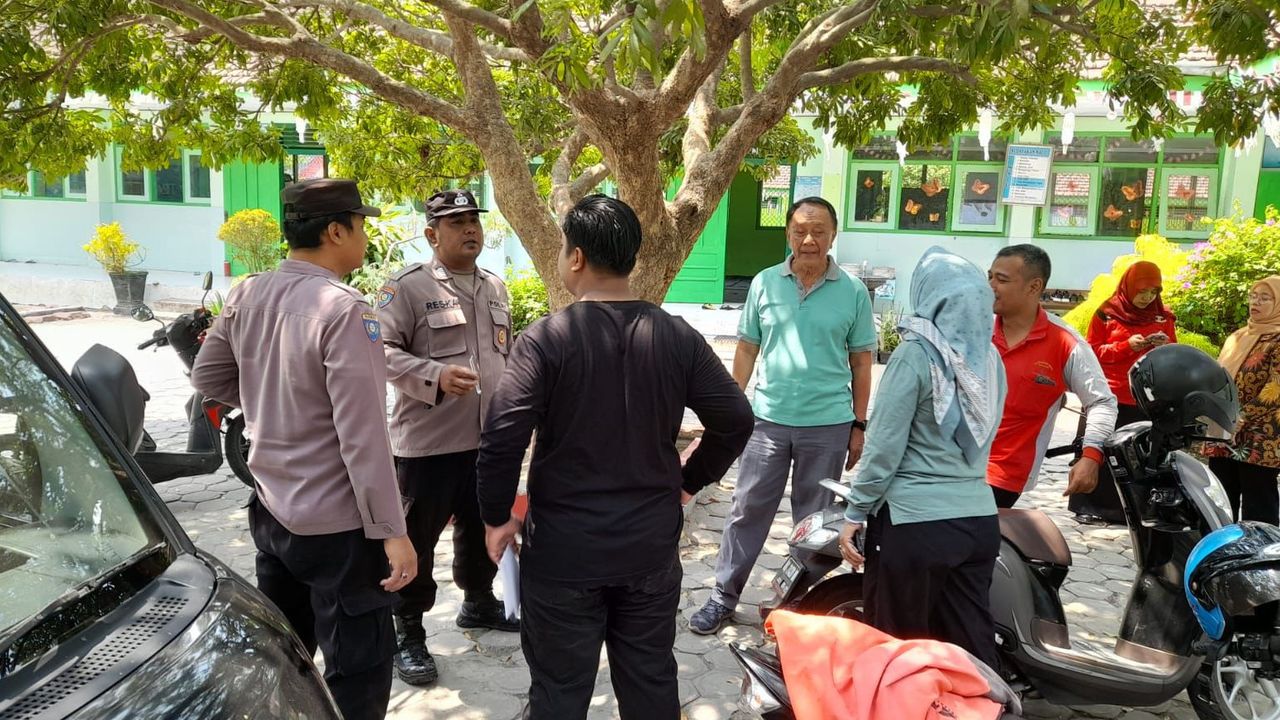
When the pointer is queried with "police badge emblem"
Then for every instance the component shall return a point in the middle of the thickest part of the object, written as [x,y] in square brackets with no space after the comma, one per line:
[385,296]
[372,327]
[502,336]
[460,200]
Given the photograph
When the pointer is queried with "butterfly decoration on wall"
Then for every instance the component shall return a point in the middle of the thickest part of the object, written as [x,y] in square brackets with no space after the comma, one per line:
[931,188]
[1073,186]
[933,217]
[868,183]
[1190,218]
[1112,213]
[1134,224]
[1064,212]
[979,187]
[912,207]
[1132,192]
[1185,192]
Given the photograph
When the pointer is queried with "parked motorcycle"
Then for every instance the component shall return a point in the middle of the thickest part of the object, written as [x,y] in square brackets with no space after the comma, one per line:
[206,418]
[1171,501]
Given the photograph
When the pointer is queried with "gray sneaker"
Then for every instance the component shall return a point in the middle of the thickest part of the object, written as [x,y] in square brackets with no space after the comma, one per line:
[710,618]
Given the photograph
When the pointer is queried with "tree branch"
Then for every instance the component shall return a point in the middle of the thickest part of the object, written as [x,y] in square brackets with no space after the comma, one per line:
[433,40]
[747,10]
[587,181]
[689,72]
[747,73]
[496,24]
[240,21]
[710,172]
[71,57]
[865,66]
[697,137]
[728,115]
[561,200]
[305,46]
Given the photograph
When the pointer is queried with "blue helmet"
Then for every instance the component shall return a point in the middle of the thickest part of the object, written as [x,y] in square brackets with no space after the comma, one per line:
[1230,572]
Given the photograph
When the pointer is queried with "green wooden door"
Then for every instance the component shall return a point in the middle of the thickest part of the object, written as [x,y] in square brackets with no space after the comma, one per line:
[1268,192]
[701,279]
[251,186]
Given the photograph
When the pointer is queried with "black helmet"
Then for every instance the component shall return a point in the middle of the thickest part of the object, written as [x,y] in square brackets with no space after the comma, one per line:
[1179,387]
[1230,572]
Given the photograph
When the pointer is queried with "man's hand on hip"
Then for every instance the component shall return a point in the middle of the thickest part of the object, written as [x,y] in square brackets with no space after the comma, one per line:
[403,560]
[1083,477]
[857,438]
[496,539]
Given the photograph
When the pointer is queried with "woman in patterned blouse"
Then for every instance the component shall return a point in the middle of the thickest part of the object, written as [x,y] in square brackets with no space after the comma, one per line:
[1248,467]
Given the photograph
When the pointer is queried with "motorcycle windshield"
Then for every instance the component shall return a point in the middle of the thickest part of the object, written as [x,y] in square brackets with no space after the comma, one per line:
[70,516]
[1203,489]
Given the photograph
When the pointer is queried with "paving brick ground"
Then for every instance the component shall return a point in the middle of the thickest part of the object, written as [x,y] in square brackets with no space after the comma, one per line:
[482,673]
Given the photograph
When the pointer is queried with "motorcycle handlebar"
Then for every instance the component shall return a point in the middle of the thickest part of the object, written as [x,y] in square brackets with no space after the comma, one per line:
[149,343]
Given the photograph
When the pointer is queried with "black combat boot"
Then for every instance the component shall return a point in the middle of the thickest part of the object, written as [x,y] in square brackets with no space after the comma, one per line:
[413,663]
[486,612]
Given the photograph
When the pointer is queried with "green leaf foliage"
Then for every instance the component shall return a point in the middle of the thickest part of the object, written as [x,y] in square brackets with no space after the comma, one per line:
[528,299]
[1210,298]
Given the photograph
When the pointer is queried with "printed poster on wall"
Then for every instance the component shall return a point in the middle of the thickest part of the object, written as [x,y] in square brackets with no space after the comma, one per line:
[1026,174]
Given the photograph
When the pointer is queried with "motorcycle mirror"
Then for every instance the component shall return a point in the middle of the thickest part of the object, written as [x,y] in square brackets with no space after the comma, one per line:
[142,313]
[841,490]
[207,283]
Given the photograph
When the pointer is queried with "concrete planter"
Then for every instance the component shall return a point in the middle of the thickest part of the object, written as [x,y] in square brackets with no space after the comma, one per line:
[129,287]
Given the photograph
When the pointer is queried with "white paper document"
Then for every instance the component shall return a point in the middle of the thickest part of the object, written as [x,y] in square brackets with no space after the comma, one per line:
[509,574]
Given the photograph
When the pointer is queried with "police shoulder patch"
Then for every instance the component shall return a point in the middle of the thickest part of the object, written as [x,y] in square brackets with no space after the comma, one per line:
[372,327]
[386,295]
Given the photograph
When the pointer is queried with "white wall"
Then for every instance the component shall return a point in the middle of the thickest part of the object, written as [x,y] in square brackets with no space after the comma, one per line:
[173,237]
[46,231]
[180,238]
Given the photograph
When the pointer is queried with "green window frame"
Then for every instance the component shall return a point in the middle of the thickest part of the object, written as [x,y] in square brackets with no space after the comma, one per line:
[186,181]
[1115,165]
[912,198]
[1182,203]
[71,188]
[1064,212]
[975,195]
[779,200]
[883,196]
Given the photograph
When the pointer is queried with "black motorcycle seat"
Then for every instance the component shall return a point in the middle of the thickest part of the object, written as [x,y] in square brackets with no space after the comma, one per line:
[109,381]
[1035,536]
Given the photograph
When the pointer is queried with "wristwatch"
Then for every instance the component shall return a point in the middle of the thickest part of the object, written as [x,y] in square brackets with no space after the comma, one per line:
[858,424]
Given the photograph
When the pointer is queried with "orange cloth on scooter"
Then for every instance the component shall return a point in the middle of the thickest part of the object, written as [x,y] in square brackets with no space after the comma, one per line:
[841,669]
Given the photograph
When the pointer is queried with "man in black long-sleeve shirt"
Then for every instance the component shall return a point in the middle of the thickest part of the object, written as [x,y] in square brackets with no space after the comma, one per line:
[605,383]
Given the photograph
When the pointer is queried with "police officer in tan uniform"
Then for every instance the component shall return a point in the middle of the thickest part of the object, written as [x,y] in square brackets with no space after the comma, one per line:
[447,330]
[301,353]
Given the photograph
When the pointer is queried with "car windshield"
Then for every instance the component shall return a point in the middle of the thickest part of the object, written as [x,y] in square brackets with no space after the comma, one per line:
[68,515]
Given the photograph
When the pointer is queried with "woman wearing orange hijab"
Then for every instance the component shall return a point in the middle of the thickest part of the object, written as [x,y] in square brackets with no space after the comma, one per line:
[1248,466]
[1127,326]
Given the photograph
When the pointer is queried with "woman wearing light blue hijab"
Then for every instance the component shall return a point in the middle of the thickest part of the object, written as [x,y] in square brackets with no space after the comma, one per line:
[920,488]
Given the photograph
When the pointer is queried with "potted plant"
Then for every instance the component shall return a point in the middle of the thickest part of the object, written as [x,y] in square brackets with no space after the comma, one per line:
[888,337]
[254,238]
[117,253]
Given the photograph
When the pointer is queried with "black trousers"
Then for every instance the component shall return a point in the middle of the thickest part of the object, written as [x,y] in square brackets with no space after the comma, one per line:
[327,587]
[562,628]
[1104,500]
[1250,488]
[933,580]
[444,486]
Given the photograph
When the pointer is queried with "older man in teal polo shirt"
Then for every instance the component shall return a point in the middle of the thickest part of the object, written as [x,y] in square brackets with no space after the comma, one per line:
[810,327]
